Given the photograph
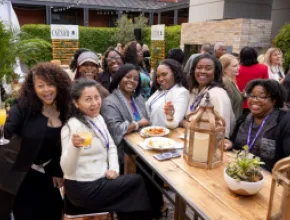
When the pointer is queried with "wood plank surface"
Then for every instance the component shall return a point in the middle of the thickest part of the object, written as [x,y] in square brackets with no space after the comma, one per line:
[206,189]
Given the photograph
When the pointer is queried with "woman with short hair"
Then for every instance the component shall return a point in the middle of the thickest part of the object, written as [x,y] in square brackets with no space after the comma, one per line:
[266,128]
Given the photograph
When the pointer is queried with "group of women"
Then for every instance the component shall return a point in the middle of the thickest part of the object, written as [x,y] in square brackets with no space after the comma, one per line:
[44,125]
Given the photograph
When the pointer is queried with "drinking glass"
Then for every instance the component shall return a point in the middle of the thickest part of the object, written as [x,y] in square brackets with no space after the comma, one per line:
[87,136]
[3,116]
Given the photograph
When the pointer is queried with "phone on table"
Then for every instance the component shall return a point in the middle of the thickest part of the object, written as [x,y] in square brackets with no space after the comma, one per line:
[166,156]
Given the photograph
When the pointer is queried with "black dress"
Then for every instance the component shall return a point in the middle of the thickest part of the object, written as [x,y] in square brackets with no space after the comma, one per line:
[37,198]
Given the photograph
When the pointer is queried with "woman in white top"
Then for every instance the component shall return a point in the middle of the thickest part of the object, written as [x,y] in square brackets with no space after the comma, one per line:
[274,60]
[167,106]
[206,77]
[91,170]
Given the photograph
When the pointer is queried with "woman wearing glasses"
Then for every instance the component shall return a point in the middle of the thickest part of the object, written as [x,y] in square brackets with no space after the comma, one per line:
[112,61]
[266,129]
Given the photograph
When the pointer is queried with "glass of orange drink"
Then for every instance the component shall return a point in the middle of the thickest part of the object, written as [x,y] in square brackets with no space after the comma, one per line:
[3,116]
[87,136]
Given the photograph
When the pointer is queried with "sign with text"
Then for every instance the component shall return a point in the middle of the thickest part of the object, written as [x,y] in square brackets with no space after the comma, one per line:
[64,32]
[158,32]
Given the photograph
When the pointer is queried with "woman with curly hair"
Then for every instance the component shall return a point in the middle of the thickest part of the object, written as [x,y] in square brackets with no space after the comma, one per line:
[112,61]
[30,167]
[167,106]
[133,54]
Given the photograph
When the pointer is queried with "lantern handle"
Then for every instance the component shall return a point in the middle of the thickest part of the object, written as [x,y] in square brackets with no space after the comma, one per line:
[282,164]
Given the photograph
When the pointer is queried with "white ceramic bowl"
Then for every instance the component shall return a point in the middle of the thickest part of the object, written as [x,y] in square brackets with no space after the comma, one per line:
[242,187]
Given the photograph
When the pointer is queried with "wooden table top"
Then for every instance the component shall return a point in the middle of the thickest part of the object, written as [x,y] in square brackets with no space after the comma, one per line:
[206,190]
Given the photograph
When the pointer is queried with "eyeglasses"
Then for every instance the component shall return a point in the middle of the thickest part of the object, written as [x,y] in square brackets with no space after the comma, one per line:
[113,58]
[258,98]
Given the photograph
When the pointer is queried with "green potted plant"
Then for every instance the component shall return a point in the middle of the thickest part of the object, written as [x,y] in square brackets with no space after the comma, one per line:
[243,174]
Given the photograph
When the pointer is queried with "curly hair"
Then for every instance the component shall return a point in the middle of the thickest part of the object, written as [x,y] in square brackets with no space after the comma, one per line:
[106,54]
[74,63]
[218,75]
[123,70]
[272,88]
[52,74]
[130,54]
[176,68]
[75,93]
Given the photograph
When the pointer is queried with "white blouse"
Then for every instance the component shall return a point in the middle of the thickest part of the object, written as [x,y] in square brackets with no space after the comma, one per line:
[179,96]
[91,162]
[273,72]
[222,104]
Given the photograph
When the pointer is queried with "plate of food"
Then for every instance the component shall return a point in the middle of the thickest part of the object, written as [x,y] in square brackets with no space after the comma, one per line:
[160,143]
[154,131]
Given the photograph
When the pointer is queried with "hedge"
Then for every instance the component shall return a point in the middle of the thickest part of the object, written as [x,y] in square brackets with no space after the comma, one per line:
[282,41]
[99,39]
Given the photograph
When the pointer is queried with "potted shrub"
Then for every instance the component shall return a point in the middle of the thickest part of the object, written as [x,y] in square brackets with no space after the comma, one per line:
[243,174]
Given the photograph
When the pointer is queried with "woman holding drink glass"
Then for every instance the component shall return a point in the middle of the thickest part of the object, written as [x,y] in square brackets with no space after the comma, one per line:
[30,169]
[90,163]
[167,106]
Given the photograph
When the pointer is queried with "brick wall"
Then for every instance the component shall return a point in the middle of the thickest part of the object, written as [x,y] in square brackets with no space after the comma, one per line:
[30,16]
[233,32]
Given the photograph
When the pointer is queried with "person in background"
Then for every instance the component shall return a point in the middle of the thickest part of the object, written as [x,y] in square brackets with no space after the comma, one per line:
[167,106]
[112,61]
[74,63]
[31,188]
[133,54]
[88,67]
[266,129]
[124,109]
[236,55]
[274,60]
[219,49]
[206,78]
[146,56]
[176,54]
[119,47]
[286,85]
[249,70]
[230,66]
[205,49]
[91,171]
[261,58]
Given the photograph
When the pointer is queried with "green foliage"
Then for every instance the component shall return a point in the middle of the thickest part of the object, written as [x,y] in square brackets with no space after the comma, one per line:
[245,166]
[125,29]
[172,37]
[282,41]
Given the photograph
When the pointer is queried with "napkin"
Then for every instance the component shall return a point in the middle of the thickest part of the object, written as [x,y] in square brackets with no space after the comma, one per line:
[177,146]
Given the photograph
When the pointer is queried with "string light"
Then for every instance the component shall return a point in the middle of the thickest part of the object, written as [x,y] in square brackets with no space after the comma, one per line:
[71,4]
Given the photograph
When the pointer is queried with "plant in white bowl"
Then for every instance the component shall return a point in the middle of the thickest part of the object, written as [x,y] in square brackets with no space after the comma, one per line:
[243,174]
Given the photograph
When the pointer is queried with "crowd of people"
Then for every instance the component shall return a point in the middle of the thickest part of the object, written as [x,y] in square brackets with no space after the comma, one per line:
[119,95]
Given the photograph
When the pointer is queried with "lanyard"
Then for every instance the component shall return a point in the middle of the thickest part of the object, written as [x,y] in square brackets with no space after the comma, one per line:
[158,97]
[249,143]
[197,99]
[136,114]
[105,137]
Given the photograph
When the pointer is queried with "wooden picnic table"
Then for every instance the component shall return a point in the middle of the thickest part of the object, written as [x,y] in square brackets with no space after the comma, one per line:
[203,191]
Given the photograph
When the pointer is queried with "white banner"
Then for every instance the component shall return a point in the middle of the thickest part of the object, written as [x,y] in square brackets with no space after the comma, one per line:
[158,32]
[64,32]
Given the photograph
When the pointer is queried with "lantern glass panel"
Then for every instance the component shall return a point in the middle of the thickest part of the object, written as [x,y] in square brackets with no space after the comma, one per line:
[218,147]
[186,147]
[200,147]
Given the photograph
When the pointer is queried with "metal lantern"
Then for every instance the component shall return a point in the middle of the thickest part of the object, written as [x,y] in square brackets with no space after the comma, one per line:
[204,137]
[279,205]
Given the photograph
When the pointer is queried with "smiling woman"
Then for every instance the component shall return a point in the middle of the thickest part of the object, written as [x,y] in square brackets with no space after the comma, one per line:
[206,77]
[36,118]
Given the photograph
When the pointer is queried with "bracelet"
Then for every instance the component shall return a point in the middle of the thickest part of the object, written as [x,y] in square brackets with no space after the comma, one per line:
[136,125]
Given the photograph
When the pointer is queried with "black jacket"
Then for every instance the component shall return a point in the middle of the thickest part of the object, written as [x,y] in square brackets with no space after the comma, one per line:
[274,142]
[106,80]
[26,133]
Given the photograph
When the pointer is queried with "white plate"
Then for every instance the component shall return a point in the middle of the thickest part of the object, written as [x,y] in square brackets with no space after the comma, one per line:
[160,143]
[145,132]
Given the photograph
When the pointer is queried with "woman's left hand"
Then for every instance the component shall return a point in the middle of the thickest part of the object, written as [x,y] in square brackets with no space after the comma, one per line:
[57,182]
[169,109]
[111,174]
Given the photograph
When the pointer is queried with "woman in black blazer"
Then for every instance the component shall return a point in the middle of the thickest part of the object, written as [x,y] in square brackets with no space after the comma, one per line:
[30,163]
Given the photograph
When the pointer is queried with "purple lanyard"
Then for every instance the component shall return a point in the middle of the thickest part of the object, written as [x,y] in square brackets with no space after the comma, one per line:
[249,143]
[105,137]
[192,108]
[155,100]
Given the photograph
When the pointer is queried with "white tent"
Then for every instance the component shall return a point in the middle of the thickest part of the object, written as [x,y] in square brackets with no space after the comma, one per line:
[9,18]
